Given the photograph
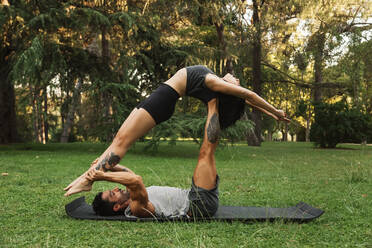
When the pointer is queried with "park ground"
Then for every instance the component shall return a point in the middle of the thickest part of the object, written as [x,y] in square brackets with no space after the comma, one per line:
[278,174]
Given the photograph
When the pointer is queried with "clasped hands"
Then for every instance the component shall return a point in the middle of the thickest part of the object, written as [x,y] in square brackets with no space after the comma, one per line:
[94,175]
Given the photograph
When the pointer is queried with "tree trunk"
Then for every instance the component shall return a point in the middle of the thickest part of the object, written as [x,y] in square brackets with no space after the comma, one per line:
[226,68]
[8,125]
[307,132]
[106,98]
[45,114]
[39,117]
[35,117]
[256,64]
[251,136]
[71,113]
[269,135]
[285,132]
[318,66]
[367,74]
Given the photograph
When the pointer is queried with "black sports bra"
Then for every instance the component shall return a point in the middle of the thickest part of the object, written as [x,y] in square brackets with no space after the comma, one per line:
[195,85]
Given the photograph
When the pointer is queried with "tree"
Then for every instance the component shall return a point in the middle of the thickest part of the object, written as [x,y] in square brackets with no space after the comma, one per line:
[9,25]
[329,21]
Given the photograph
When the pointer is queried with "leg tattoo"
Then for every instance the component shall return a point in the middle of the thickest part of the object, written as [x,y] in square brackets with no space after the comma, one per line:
[213,130]
[111,160]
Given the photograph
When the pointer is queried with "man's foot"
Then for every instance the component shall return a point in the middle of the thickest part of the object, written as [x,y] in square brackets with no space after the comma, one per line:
[82,185]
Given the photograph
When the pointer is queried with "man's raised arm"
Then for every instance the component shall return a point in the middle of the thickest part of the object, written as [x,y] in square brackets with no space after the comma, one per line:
[121,168]
[139,205]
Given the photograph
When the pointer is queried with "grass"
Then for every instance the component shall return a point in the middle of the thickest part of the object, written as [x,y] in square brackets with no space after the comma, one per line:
[277,174]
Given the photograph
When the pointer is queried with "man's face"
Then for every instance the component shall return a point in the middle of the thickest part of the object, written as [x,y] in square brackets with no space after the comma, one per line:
[115,195]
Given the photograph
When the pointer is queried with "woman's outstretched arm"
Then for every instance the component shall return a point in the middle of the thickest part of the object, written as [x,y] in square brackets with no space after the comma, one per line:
[230,86]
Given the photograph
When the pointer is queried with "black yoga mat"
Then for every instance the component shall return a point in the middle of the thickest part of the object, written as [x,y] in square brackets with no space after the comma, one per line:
[302,212]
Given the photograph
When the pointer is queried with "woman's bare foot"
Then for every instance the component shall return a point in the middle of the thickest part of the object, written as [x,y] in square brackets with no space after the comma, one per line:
[75,181]
[82,176]
[82,185]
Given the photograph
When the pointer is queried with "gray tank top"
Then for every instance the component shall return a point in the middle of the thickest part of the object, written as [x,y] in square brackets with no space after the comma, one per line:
[168,201]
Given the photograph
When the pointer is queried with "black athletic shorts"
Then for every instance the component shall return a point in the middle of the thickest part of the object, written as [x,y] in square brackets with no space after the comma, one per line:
[160,104]
[203,202]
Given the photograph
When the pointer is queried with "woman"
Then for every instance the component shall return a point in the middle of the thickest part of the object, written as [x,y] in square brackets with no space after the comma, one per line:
[196,81]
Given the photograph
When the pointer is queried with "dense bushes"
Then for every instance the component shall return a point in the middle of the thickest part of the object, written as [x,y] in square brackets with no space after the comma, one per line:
[336,123]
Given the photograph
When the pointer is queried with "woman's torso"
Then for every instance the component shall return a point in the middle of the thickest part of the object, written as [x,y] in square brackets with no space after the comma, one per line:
[178,82]
[191,81]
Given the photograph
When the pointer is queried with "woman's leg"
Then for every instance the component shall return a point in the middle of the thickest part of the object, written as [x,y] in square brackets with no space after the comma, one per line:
[137,124]
[94,163]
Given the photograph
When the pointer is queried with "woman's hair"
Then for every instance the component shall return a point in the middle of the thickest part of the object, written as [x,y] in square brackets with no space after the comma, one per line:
[230,109]
[104,208]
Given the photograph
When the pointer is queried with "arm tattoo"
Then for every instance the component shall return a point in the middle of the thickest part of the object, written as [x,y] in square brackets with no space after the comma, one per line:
[111,160]
[213,129]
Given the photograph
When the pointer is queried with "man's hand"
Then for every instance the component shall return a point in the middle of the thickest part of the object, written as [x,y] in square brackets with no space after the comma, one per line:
[231,79]
[94,162]
[94,175]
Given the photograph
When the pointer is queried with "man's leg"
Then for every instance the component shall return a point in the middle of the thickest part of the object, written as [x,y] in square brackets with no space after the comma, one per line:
[205,172]
[203,195]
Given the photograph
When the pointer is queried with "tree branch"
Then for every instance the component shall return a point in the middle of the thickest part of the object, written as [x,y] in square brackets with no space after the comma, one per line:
[294,80]
[299,82]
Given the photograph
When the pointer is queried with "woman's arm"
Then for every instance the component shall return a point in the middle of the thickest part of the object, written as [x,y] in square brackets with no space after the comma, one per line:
[262,110]
[228,86]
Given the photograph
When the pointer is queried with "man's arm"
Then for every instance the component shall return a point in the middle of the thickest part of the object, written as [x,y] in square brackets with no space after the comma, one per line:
[139,205]
[121,168]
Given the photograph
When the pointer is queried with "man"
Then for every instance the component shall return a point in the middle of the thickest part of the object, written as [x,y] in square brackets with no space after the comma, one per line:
[159,201]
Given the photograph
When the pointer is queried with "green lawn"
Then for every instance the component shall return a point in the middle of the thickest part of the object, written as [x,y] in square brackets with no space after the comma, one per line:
[276,174]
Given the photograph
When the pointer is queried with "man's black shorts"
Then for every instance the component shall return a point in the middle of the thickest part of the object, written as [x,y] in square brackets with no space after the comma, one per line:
[203,202]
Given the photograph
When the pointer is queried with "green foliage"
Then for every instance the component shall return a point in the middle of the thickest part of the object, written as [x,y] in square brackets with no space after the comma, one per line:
[237,132]
[49,45]
[92,17]
[302,109]
[191,126]
[336,123]
[185,126]
[29,63]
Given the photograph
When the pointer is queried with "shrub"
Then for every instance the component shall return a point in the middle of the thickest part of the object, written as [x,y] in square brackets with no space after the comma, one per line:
[336,123]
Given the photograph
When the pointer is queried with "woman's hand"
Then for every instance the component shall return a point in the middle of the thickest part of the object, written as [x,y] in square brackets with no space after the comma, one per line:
[94,175]
[231,79]
[282,116]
